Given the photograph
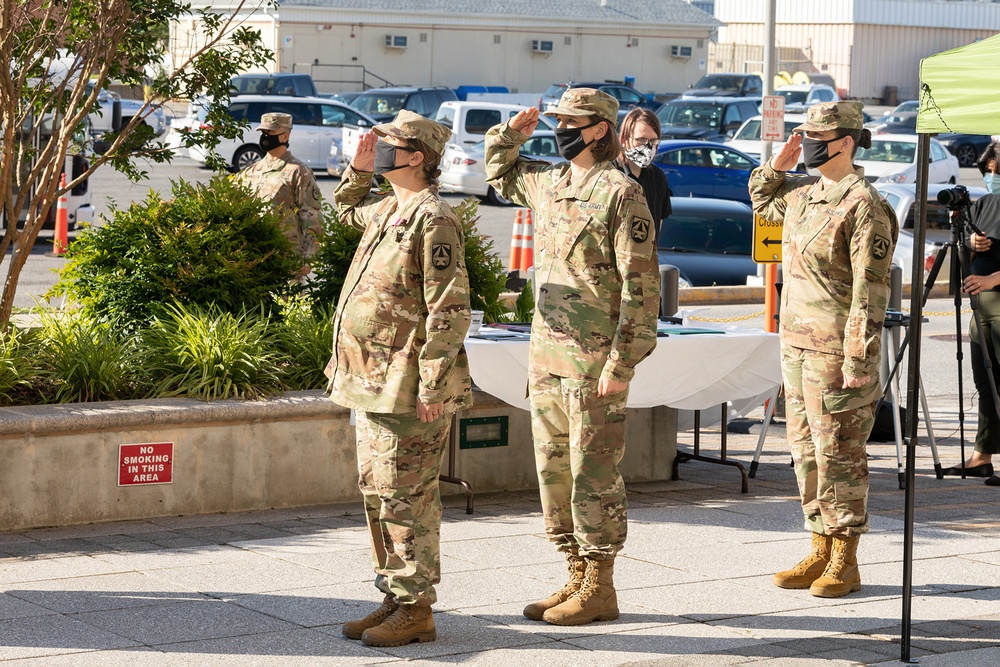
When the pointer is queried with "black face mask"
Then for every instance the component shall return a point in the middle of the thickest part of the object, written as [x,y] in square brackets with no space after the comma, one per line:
[268,142]
[816,153]
[385,157]
[569,140]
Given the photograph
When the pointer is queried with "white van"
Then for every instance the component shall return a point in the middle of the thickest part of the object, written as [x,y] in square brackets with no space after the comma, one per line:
[469,121]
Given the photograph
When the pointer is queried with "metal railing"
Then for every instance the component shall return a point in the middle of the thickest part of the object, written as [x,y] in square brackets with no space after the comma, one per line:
[354,76]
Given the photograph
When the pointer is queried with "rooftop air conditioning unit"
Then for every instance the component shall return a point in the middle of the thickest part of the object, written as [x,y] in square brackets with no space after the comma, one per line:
[395,41]
[541,46]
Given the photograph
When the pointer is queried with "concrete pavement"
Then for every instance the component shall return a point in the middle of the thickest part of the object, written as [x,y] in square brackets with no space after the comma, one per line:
[272,587]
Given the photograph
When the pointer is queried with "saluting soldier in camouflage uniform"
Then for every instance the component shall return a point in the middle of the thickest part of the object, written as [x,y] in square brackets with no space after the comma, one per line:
[595,319]
[398,360]
[288,184]
[837,248]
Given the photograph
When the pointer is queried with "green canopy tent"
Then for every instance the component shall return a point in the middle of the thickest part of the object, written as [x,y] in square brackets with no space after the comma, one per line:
[959,92]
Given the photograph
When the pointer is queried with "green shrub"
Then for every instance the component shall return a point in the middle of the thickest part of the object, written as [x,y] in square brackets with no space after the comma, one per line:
[334,253]
[18,365]
[487,278]
[211,354]
[211,244]
[306,338]
[82,359]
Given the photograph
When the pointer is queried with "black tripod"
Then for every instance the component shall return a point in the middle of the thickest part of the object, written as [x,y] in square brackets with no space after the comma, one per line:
[957,201]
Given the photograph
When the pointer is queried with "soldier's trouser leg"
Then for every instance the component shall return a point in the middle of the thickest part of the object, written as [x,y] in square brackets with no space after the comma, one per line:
[579,442]
[828,429]
[399,460]
[988,433]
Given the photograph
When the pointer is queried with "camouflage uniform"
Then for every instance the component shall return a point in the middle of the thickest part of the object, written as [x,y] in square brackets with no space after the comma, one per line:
[398,338]
[598,291]
[837,252]
[290,186]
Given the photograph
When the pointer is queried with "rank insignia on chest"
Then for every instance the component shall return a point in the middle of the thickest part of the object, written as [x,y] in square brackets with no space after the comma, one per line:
[640,230]
[441,255]
[880,247]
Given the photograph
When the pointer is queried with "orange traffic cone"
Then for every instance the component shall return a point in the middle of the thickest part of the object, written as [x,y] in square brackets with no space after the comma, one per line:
[528,243]
[61,241]
[516,243]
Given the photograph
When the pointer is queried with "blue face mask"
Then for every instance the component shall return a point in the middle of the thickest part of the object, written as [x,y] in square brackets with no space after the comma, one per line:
[992,182]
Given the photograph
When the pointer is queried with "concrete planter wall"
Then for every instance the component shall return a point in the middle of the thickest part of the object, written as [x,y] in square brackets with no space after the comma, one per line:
[59,463]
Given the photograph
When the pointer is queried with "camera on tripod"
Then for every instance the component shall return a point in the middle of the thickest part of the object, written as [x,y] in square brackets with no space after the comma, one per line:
[955,199]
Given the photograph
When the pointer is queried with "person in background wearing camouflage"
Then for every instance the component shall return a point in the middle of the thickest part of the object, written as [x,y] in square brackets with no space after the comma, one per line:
[837,248]
[399,362]
[288,184]
[595,319]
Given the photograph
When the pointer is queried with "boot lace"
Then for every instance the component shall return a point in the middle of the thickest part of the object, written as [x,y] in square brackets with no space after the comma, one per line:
[398,618]
[588,586]
[576,579]
[384,611]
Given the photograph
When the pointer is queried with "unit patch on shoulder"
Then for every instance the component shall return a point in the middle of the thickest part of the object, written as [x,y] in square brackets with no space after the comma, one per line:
[880,247]
[441,255]
[639,229]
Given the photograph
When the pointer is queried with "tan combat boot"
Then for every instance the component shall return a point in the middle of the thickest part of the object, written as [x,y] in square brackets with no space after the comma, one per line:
[595,601]
[810,568]
[354,629]
[577,566]
[841,575]
[409,623]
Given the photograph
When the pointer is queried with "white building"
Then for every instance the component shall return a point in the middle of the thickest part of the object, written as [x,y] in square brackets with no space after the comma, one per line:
[525,45]
[872,48]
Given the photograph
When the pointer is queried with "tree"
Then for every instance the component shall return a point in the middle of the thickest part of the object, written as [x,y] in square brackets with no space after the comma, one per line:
[60,54]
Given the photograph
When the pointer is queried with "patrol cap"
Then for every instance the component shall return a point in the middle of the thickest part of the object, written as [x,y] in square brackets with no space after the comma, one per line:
[275,121]
[587,102]
[833,116]
[410,125]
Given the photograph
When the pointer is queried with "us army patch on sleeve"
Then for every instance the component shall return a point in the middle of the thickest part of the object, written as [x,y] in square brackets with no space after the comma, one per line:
[880,247]
[441,255]
[639,229]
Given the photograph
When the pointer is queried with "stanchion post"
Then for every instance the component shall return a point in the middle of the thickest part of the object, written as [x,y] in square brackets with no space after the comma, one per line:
[770,297]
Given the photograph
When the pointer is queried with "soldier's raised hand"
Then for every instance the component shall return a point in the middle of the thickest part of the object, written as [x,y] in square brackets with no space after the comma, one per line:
[788,157]
[364,156]
[525,121]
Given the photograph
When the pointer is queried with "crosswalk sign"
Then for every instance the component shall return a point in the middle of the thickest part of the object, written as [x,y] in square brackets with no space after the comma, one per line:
[766,241]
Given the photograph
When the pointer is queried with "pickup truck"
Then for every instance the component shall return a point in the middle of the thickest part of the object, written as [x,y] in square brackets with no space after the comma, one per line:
[100,118]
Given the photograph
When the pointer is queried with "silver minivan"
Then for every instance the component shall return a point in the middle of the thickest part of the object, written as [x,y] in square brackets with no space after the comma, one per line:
[316,125]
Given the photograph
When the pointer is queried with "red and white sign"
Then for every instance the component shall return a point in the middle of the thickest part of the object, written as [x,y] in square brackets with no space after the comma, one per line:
[772,124]
[146,463]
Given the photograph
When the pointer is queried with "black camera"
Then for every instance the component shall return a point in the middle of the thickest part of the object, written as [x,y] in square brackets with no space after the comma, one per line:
[955,198]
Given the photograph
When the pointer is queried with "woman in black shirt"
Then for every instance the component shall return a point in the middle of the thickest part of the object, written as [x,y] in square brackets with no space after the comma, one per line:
[640,139]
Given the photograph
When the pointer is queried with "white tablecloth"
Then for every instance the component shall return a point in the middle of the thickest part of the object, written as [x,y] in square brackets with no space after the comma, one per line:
[688,372]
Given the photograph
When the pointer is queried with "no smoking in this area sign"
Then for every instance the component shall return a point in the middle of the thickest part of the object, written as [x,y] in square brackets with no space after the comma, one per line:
[772,124]
[146,463]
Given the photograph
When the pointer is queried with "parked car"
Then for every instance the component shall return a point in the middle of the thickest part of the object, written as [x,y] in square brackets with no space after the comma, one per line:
[705,169]
[627,96]
[904,107]
[316,123]
[730,84]
[710,241]
[463,168]
[901,197]
[280,83]
[382,104]
[345,97]
[892,158]
[707,118]
[899,123]
[747,138]
[966,147]
[100,118]
[469,121]
[798,97]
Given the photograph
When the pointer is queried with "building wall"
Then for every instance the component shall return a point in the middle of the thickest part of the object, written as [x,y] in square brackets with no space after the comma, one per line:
[496,56]
[865,45]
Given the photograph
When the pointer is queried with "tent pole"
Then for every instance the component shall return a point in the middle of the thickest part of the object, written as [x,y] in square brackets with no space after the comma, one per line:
[913,385]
